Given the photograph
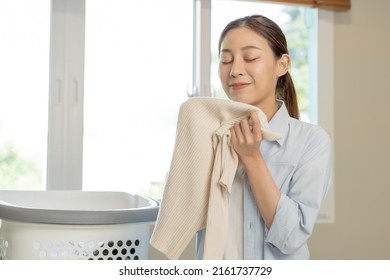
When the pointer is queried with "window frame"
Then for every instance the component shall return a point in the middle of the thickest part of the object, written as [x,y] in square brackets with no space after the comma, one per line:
[66,94]
[325,97]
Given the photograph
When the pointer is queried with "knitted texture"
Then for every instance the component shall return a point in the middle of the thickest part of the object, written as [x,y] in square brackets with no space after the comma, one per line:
[201,174]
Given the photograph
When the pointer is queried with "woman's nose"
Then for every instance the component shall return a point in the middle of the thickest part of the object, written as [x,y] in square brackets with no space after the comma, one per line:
[237,68]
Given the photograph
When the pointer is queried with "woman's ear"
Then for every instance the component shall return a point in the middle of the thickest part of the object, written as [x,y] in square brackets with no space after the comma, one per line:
[283,64]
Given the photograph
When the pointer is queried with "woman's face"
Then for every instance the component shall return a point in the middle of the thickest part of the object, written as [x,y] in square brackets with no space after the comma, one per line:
[249,70]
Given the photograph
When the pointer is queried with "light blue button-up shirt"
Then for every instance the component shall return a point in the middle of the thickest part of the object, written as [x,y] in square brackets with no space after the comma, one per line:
[301,166]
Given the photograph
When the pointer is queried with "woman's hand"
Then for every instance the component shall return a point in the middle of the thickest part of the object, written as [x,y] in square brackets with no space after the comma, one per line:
[246,137]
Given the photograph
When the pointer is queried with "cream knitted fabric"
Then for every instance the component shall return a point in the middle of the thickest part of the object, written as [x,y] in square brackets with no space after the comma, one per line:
[202,170]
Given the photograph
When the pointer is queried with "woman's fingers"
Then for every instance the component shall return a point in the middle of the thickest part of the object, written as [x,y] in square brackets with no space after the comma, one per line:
[247,131]
[254,122]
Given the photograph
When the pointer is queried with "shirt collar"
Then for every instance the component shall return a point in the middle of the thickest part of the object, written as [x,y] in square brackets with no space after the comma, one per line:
[280,122]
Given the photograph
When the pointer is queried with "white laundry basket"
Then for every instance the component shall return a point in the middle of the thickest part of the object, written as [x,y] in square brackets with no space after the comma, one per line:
[75,225]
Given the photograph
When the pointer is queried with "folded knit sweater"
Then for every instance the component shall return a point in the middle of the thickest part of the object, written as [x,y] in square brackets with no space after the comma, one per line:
[200,177]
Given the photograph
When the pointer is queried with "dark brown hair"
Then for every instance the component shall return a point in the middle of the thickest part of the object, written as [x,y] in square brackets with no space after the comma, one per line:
[268,29]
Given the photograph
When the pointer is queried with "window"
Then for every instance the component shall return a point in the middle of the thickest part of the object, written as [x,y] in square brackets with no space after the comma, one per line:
[138,62]
[24,72]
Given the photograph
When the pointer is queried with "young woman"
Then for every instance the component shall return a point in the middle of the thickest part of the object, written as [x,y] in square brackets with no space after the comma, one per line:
[278,191]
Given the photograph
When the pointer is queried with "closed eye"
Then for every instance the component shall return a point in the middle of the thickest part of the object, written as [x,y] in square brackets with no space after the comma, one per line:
[251,59]
[226,61]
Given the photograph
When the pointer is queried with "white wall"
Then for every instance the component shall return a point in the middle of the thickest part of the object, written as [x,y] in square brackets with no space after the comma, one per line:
[362,136]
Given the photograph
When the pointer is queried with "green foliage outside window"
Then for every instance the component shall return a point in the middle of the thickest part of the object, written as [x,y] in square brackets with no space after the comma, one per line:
[17,172]
[297,41]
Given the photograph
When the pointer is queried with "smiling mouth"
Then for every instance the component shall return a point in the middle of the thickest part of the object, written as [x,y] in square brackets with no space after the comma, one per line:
[238,86]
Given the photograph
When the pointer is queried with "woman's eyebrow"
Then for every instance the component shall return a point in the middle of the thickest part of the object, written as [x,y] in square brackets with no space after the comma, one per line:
[243,48]
[225,50]
[251,47]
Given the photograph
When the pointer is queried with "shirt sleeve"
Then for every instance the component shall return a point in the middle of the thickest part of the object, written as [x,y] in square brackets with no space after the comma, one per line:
[298,209]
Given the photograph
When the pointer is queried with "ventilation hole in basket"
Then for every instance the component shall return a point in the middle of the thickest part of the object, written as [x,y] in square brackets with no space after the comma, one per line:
[105,252]
[110,259]
[101,244]
[135,258]
[36,245]
[110,243]
[119,258]
[42,254]
[128,243]
[64,254]
[3,248]
[136,242]
[132,251]
[127,258]
[124,251]
[96,253]
[76,253]
[4,243]
[53,254]
[119,243]
[115,252]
